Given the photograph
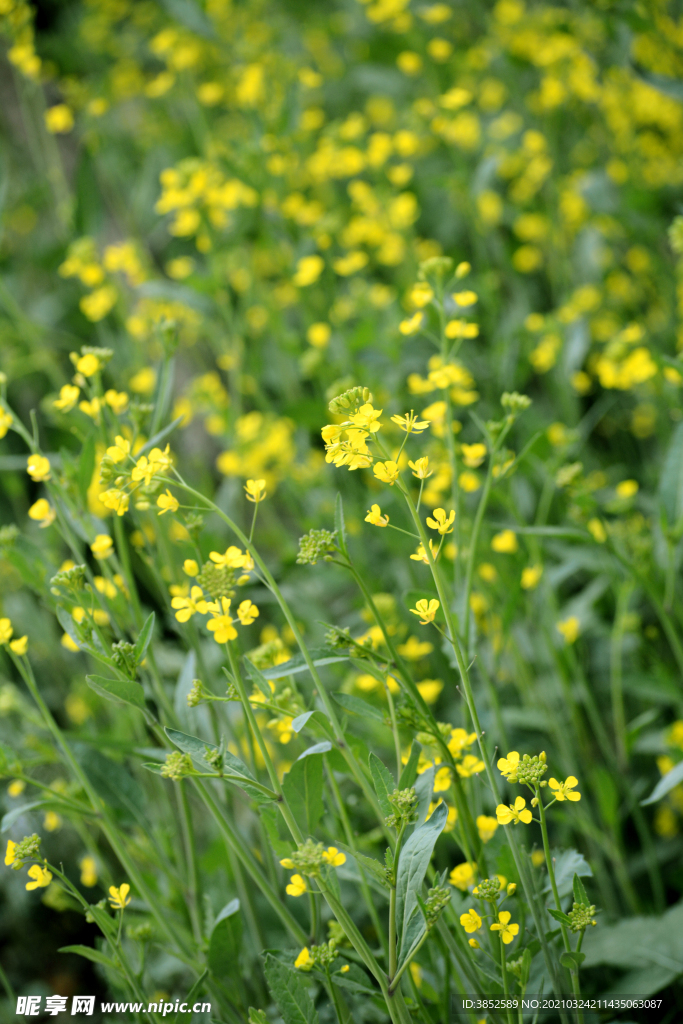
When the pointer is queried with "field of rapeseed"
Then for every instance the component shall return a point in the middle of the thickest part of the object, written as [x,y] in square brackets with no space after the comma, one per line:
[341,509]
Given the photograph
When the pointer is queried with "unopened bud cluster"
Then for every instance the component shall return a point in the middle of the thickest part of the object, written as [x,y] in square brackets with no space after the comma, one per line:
[350,401]
[217,580]
[215,757]
[124,657]
[514,403]
[27,848]
[314,545]
[529,770]
[177,766]
[403,802]
[70,579]
[437,901]
[308,859]
[196,696]
[323,956]
[488,889]
[581,916]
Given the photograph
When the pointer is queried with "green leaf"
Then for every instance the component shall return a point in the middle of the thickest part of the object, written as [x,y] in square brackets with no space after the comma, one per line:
[559,916]
[339,524]
[527,957]
[298,664]
[142,642]
[111,780]
[671,479]
[289,992]
[196,748]
[299,722]
[357,706]
[665,784]
[86,466]
[121,691]
[258,678]
[226,940]
[572,961]
[303,787]
[424,788]
[383,781]
[412,868]
[90,954]
[638,943]
[580,894]
[9,819]
[409,773]
[567,864]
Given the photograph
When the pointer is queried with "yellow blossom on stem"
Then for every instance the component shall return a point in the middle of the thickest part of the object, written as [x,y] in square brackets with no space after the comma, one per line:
[462,876]
[148,466]
[505,542]
[116,500]
[167,503]
[42,512]
[486,826]
[5,422]
[441,522]
[513,813]
[367,418]
[410,423]
[569,628]
[118,896]
[387,472]
[247,612]
[9,853]
[426,610]
[508,765]
[20,645]
[116,400]
[473,454]
[6,631]
[375,517]
[40,875]
[38,468]
[68,396]
[88,872]
[565,790]
[119,450]
[88,364]
[16,788]
[304,961]
[221,625]
[102,547]
[334,857]
[297,886]
[421,555]
[234,558]
[412,325]
[467,298]
[421,468]
[531,576]
[255,490]
[470,921]
[189,606]
[507,930]
[470,766]
[190,567]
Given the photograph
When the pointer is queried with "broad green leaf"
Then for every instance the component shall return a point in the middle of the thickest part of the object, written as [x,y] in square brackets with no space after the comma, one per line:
[373,869]
[9,819]
[638,942]
[571,960]
[671,479]
[142,642]
[665,785]
[226,940]
[303,787]
[91,954]
[409,773]
[357,706]
[299,722]
[111,780]
[324,747]
[289,992]
[278,836]
[121,691]
[559,916]
[567,864]
[580,894]
[383,781]
[424,788]
[412,868]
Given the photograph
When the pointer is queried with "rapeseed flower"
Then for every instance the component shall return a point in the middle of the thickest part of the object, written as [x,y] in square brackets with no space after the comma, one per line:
[441,522]
[40,876]
[470,921]
[186,607]
[167,503]
[38,468]
[42,512]
[513,813]
[221,625]
[387,472]
[426,610]
[375,517]
[102,547]
[118,896]
[565,790]
[507,931]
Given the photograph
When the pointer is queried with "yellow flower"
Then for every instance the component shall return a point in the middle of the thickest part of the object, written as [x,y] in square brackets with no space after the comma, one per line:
[255,490]
[116,400]
[460,740]
[470,766]
[531,576]
[318,334]
[167,503]
[508,765]
[442,780]
[9,853]
[334,857]
[627,488]
[221,624]
[426,610]
[505,543]
[308,270]
[38,468]
[304,961]
[470,921]
[564,790]
[102,547]
[375,517]
[119,450]
[59,119]
[467,298]
[421,555]
[190,567]
[507,931]
[5,422]
[421,294]
[52,822]
[247,612]
[16,788]
[412,325]
[441,522]
[414,649]
[42,512]
[367,418]
[116,500]
[430,690]
[473,454]
[189,606]
[234,558]
[118,896]
[41,877]
[569,628]
[597,530]
[88,872]
[461,877]
[469,482]
[68,396]
[20,645]
[88,364]
[486,827]
[513,813]
[297,886]
[6,631]
[410,423]
[421,468]
[146,467]
[387,472]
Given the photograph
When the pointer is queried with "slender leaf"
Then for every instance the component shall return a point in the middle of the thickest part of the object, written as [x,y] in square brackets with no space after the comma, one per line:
[665,785]
[226,940]
[409,773]
[142,642]
[289,992]
[412,868]
[671,479]
[580,894]
[121,691]
[572,960]
[303,787]
[91,954]
[86,466]
[357,706]
[559,916]
[298,664]
[299,722]
[384,783]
